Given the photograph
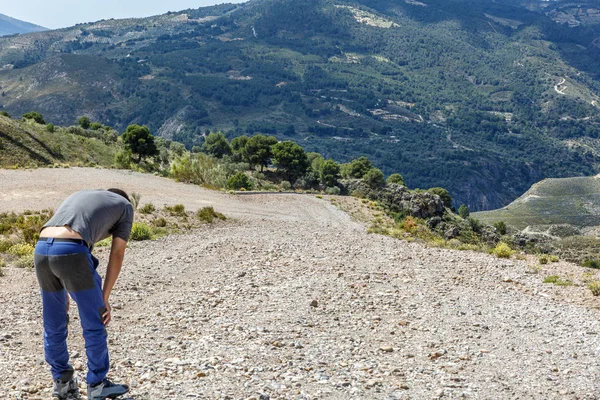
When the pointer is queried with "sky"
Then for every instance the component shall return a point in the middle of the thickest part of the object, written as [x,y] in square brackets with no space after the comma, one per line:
[55,14]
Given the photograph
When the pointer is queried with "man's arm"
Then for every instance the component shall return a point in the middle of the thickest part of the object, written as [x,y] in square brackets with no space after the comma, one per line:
[115,261]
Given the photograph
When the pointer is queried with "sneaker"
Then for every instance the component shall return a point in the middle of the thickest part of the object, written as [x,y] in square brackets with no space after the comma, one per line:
[68,390]
[106,389]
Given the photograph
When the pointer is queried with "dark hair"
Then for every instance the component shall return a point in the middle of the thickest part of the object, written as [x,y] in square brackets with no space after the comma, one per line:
[119,192]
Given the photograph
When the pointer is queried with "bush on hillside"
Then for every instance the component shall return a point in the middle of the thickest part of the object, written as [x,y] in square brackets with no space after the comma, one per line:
[84,122]
[36,116]
[395,178]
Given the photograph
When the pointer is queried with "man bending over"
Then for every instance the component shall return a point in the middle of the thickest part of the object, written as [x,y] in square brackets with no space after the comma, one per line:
[64,264]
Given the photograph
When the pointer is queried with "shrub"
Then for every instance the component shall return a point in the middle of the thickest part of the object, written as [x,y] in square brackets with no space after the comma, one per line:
[475,224]
[37,117]
[285,185]
[160,222]
[463,211]
[333,190]
[239,181]
[374,178]
[140,231]
[502,250]
[123,159]
[95,126]
[50,128]
[208,214]
[84,122]
[395,178]
[500,227]
[5,245]
[444,195]
[409,224]
[543,259]
[21,249]
[591,264]
[25,261]
[148,208]
[2,266]
[5,113]
[177,209]
[554,259]
[595,288]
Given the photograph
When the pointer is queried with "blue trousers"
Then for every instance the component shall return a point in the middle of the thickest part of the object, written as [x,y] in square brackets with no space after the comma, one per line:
[62,267]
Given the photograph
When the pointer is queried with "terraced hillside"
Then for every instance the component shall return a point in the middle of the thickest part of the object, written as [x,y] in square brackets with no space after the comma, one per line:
[481,97]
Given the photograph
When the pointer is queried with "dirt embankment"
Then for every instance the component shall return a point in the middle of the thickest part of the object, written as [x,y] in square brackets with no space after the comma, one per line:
[291,299]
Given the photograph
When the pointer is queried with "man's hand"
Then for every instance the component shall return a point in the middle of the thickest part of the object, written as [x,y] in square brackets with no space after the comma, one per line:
[106,317]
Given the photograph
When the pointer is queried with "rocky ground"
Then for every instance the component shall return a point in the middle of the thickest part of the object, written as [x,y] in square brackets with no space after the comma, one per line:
[292,299]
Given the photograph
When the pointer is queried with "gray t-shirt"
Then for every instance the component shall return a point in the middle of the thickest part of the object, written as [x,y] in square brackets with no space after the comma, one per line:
[95,215]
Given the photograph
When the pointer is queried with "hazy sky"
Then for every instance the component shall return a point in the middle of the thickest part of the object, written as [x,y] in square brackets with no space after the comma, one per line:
[62,13]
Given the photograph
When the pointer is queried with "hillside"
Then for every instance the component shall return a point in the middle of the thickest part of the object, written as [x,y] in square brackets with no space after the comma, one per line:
[482,98]
[27,144]
[291,299]
[568,201]
[11,26]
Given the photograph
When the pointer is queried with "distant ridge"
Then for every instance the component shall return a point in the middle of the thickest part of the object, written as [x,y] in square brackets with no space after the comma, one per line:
[10,26]
[557,201]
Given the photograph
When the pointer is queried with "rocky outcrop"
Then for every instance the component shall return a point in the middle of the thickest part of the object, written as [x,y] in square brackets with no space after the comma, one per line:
[399,198]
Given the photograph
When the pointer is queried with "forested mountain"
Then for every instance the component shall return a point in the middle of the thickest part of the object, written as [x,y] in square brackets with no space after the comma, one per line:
[11,26]
[482,97]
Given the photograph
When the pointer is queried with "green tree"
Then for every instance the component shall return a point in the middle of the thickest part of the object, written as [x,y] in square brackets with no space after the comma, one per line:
[463,211]
[329,173]
[258,150]
[84,122]
[237,148]
[357,168]
[50,128]
[374,178]
[395,178]
[216,144]
[291,158]
[36,116]
[97,126]
[5,113]
[444,195]
[238,143]
[139,141]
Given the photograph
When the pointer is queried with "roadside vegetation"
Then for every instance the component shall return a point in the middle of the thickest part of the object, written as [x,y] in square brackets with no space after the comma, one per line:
[260,163]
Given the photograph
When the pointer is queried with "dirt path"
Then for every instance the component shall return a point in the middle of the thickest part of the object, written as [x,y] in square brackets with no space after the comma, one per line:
[225,311]
[557,86]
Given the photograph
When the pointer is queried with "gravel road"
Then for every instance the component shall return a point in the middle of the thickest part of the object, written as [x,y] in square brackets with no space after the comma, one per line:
[292,299]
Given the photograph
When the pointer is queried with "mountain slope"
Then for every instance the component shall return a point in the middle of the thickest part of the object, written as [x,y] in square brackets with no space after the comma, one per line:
[10,26]
[26,144]
[479,97]
[567,201]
